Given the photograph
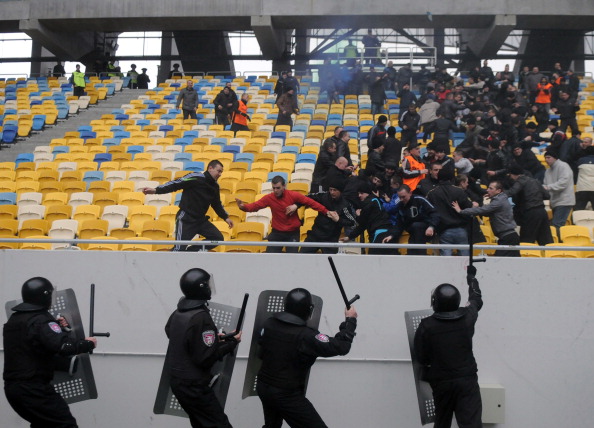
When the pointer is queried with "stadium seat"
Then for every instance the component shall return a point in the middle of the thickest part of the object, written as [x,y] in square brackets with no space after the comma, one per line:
[135,246]
[8,212]
[92,228]
[58,212]
[33,228]
[156,229]
[29,212]
[36,245]
[9,228]
[80,198]
[86,212]
[575,235]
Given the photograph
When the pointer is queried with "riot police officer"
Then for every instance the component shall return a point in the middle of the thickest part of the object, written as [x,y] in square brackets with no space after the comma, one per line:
[194,347]
[443,344]
[288,348]
[33,339]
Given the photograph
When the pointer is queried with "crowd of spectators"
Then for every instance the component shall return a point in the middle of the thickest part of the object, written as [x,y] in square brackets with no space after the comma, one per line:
[493,173]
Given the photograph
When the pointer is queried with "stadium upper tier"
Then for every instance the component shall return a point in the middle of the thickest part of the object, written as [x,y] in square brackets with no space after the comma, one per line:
[131,15]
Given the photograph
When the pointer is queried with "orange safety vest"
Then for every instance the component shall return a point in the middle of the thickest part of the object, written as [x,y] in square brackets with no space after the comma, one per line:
[542,97]
[415,165]
[239,118]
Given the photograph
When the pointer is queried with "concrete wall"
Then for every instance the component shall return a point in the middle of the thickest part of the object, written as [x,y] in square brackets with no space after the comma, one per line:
[534,336]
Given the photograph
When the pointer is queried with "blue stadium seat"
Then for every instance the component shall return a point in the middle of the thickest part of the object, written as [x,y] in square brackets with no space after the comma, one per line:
[306,157]
[91,176]
[23,157]
[7,198]
[182,157]
[194,166]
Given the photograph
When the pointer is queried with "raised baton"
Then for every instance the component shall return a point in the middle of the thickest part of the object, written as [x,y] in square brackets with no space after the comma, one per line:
[239,320]
[347,302]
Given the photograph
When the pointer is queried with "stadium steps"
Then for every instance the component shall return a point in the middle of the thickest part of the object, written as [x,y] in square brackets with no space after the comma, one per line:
[84,117]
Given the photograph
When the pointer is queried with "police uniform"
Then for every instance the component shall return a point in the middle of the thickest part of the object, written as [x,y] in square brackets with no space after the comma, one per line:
[288,348]
[32,340]
[443,343]
[194,347]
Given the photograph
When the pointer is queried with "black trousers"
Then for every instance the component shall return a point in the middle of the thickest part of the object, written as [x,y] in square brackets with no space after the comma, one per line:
[535,227]
[408,137]
[289,405]
[201,405]
[278,236]
[39,404]
[316,238]
[78,91]
[582,198]
[186,229]
[571,123]
[189,114]
[461,397]
[284,120]
[509,239]
[417,236]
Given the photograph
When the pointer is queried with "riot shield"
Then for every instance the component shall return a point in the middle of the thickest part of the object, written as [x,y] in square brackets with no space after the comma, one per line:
[424,391]
[269,303]
[225,317]
[80,385]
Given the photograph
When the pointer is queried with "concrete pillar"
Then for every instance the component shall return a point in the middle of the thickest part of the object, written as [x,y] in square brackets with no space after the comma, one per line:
[484,43]
[543,48]
[165,66]
[439,44]
[36,65]
[302,48]
[204,51]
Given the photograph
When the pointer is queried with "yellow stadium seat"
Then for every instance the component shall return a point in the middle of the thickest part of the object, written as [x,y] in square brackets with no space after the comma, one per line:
[89,229]
[156,229]
[9,227]
[575,235]
[36,245]
[55,198]
[33,227]
[58,212]
[130,199]
[86,212]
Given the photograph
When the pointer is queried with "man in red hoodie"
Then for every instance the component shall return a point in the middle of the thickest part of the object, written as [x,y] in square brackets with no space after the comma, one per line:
[285,221]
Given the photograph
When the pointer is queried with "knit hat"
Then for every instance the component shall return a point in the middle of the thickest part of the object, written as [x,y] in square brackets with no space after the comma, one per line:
[382,119]
[554,122]
[337,183]
[515,169]
[364,187]
[552,153]
[471,120]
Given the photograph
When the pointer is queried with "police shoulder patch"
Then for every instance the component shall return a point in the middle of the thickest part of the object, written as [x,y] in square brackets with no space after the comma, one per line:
[55,327]
[208,337]
[322,338]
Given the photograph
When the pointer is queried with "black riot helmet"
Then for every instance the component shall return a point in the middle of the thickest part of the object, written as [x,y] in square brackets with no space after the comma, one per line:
[196,284]
[37,293]
[298,302]
[445,298]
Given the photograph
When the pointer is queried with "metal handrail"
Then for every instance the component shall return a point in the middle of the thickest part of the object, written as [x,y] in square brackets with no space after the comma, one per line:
[338,245]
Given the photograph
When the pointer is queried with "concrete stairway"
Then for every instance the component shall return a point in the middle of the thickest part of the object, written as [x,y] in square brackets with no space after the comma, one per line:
[84,117]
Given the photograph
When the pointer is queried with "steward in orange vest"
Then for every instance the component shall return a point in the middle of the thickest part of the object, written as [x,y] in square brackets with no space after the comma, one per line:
[240,116]
[413,168]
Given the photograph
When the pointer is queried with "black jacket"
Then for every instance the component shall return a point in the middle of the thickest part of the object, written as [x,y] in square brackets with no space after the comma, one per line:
[417,209]
[443,341]
[527,193]
[288,348]
[31,341]
[323,163]
[325,229]
[372,218]
[442,197]
[375,165]
[200,191]
[194,344]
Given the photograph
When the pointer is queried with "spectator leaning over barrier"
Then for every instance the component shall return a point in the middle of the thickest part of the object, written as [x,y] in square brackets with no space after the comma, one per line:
[501,215]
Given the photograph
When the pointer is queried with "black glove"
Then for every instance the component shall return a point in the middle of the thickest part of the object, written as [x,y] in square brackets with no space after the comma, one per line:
[470,276]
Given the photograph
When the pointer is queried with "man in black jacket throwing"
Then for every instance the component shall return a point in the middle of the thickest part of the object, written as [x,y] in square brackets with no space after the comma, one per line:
[200,191]
[288,348]
[443,344]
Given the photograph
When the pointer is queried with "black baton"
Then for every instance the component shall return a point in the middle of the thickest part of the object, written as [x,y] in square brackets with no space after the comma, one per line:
[347,302]
[239,320]
[92,333]
[471,259]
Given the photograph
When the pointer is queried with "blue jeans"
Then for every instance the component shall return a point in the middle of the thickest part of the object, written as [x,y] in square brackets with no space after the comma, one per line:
[377,108]
[454,236]
[560,215]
